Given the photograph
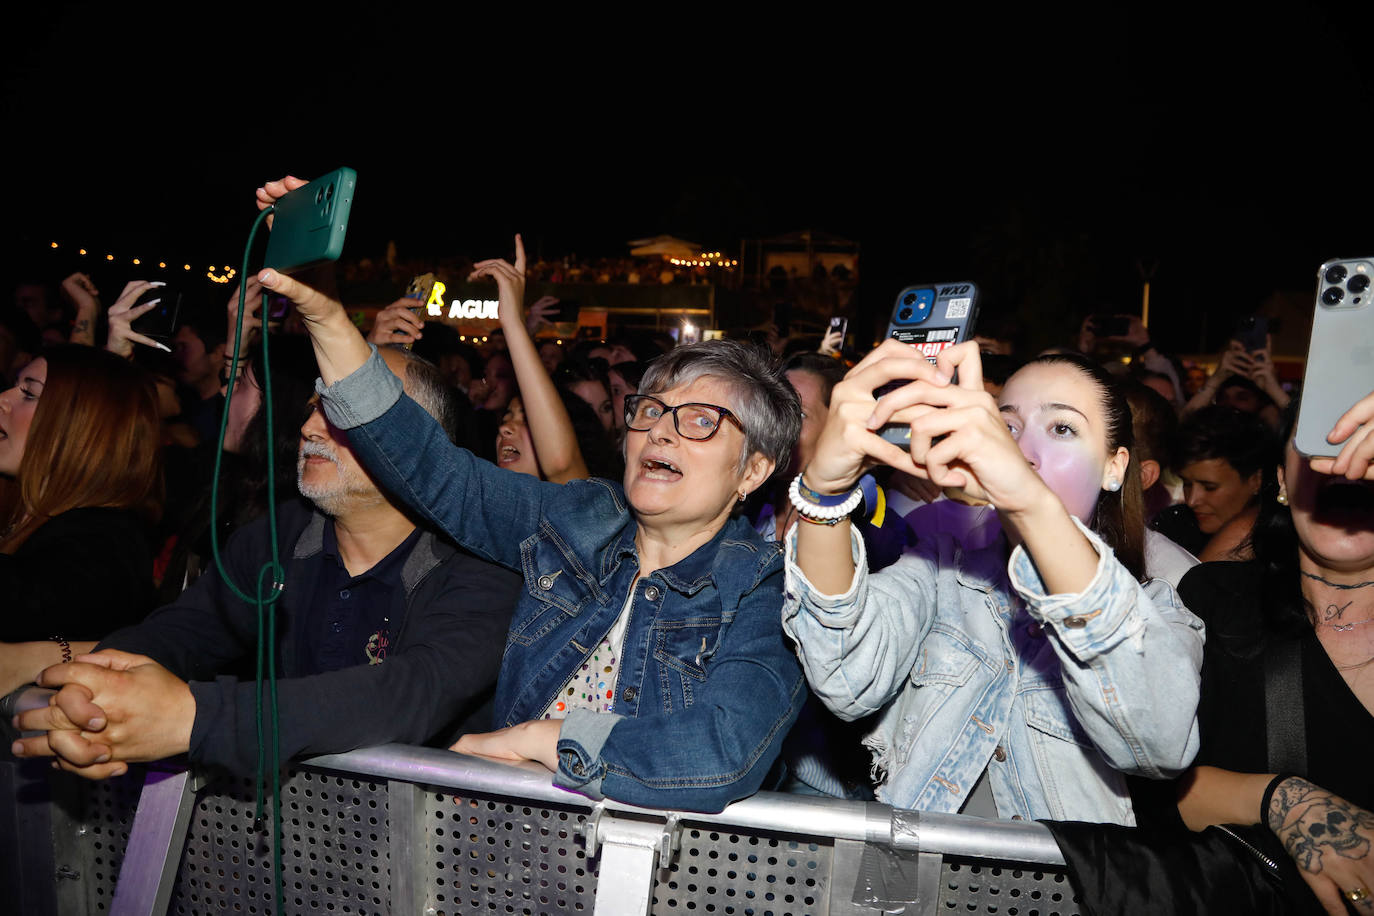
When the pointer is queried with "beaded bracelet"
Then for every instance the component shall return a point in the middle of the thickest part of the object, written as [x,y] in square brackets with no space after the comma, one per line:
[65,646]
[820,507]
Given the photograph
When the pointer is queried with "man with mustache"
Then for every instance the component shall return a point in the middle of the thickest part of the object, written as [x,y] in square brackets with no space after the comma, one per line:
[384,632]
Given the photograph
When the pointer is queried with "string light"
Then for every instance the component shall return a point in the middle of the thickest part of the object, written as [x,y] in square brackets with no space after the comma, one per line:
[109,257]
[54,244]
[82,251]
[137,261]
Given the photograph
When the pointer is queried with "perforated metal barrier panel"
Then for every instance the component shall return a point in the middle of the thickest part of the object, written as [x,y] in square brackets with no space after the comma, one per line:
[487,855]
[479,852]
[335,855]
[738,874]
[968,886]
[90,828]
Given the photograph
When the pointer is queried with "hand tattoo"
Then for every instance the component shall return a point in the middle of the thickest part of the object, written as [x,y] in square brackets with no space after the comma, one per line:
[1313,823]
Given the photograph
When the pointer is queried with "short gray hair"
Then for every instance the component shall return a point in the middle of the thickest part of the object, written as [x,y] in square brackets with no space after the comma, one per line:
[766,405]
[425,385]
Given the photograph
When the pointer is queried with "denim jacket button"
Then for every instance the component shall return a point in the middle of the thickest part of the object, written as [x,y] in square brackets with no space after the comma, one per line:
[629,694]
[1076,622]
[1000,755]
[651,593]
[1010,664]
[546,582]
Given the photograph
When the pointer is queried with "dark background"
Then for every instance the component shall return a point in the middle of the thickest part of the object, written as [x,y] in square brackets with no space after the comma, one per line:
[1048,158]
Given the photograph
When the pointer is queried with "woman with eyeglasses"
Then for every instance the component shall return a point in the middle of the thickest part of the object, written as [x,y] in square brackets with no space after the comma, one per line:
[646,660]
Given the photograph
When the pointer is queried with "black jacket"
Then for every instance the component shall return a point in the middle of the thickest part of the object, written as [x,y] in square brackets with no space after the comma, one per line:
[80,575]
[448,631]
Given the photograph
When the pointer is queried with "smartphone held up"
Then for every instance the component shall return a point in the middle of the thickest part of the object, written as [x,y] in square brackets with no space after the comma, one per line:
[930,318]
[1340,353]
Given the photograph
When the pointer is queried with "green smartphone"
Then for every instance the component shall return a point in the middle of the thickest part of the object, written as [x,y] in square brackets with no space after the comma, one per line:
[310,222]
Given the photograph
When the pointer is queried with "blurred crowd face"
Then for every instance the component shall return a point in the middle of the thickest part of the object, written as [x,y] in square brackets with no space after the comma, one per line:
[1054,413]
[814,413]
[550,354]
[17,407]
[598,399]
[500,379]
[197,364]
[457,371]
[1216,492]
[32,300]
[514,448]
[1334,517]
[619,389]
[327,472]
[1241,398]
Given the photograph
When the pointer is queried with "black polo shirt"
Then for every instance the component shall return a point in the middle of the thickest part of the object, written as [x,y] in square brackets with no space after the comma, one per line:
[348,622]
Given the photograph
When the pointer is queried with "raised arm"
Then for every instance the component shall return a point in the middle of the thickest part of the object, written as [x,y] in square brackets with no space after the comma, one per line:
[555,443]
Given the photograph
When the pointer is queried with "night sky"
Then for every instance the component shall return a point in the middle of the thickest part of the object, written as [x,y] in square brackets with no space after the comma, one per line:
[1046,160]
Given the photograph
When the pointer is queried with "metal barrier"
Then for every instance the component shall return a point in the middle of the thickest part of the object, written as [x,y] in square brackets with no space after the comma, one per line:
[409,830]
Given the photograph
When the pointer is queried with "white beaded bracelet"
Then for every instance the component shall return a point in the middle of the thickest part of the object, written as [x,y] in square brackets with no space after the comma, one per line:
[822,513]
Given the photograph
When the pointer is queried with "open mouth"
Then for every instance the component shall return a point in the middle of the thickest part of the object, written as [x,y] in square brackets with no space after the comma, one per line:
[1344,502]
[660,469]
[507,454]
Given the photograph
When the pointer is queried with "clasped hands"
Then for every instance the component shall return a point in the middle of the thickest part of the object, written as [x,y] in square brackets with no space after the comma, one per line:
[111,709]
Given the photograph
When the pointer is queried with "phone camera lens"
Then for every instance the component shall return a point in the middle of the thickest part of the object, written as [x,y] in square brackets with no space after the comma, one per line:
[904,314]
[909,299]
[1336,273]
[1358,283]
[1333,295]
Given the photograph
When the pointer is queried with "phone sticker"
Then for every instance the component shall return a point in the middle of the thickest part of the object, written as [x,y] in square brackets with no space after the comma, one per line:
[958,308]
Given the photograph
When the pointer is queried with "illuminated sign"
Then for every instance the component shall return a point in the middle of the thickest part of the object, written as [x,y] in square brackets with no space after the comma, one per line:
[465,308]
[473,308]
[435,306]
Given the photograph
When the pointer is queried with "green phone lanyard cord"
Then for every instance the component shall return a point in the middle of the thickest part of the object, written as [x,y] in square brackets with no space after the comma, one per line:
[271,577]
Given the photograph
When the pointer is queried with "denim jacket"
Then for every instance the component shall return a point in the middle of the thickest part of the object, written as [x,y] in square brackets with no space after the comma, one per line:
[975,668]
[707,686]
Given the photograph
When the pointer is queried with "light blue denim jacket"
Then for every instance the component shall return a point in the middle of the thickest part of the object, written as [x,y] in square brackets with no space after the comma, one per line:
[707,687]
[975,667]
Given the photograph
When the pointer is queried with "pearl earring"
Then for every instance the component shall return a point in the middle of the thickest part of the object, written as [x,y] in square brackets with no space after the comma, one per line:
[1113,485]
[1283,498]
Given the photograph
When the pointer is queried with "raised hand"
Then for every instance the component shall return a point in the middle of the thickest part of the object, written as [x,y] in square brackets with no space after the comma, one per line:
[539,313]
[510,283]
[1330,839]
[849,444]
[397,324]
[831,342]
[273,191]
[82,292]
[122,337]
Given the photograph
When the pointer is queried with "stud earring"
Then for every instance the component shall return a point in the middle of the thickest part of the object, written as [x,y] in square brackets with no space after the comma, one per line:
[1283,498]
[1113,485]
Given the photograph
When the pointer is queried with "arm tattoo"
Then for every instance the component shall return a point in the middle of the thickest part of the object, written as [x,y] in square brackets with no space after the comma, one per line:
[1313,823]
